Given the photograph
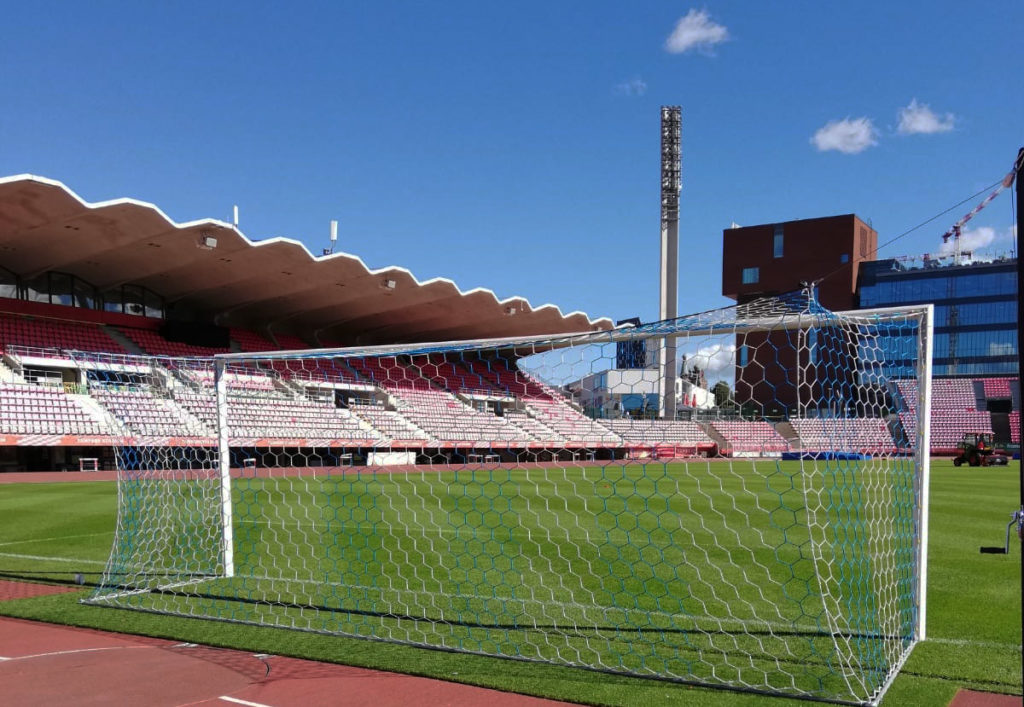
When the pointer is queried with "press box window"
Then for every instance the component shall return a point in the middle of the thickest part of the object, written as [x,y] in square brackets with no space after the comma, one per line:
[751,275]
[777,243]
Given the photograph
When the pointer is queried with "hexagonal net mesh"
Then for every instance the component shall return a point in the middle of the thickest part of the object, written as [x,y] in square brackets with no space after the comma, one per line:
[546,499]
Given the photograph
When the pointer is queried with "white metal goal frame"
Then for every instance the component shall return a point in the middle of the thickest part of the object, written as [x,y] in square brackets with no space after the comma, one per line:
[576,621]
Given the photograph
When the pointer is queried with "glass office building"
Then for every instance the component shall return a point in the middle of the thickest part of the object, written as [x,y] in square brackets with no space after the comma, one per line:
[975,309]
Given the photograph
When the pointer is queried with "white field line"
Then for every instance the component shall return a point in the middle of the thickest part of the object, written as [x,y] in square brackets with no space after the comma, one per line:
[978,644]
[63,537]
[242,702]
[53,559]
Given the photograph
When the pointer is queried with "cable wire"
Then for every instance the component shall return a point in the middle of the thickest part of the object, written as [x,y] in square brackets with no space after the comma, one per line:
[918,226]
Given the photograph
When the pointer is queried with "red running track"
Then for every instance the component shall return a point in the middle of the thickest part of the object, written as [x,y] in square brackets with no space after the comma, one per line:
[44,664]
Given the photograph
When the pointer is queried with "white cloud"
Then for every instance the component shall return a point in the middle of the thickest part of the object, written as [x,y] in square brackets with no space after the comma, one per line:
[695,31]
[633,87]
[975,239]
[716,361]
[849,136]
[919,119]
[997,349]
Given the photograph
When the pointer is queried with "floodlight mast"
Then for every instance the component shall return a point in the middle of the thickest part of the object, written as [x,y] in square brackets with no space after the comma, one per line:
[671,168]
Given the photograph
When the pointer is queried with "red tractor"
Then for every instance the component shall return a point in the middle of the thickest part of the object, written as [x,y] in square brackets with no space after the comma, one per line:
[977,449]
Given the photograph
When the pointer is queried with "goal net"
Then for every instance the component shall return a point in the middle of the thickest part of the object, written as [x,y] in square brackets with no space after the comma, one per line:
[534,499]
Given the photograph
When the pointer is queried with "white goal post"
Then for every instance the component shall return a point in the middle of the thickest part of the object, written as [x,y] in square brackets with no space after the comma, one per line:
[528,498]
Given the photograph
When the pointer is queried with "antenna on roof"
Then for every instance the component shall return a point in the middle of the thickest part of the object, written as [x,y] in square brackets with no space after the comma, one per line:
[334,237]
[234,218]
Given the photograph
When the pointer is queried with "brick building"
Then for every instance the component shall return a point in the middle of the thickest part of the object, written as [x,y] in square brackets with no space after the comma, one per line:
[774,258]
[771,259]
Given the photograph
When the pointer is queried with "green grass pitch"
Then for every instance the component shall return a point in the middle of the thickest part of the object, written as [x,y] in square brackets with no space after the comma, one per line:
[54,532]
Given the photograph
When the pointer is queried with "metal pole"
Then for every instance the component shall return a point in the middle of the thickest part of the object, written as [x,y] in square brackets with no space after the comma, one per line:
[1018,169]
[924,441]
[1019,174]
[224,467]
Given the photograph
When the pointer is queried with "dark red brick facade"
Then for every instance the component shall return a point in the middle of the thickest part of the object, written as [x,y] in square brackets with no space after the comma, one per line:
[811,249]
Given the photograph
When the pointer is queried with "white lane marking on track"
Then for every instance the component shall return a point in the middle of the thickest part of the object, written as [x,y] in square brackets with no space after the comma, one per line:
[70,652]
[52,559]
[242,702]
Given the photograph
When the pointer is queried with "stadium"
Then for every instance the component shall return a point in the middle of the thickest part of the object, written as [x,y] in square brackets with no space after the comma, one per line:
[737,499]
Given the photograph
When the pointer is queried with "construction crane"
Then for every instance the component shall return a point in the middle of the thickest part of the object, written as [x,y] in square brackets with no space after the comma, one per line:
[954,231]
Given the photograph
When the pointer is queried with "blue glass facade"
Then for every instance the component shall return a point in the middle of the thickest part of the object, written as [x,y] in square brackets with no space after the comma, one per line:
[975,310]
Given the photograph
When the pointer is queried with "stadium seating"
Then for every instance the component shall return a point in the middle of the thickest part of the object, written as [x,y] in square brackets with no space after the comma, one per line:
[569,423]
[278,416]
[251,341]
[682,432]
[33,409]
[387,372]
[390,424]
[853,434]
[453,376]
[502,377]
[253,381]
[998,388]
[152,343]
[144,412]
[434,399]
[750,437]
[534,427]
[446,418]
[954,411]
[55,336]
[287,342]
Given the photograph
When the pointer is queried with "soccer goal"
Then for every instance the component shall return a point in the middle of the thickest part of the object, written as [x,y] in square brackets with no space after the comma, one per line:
[534,499]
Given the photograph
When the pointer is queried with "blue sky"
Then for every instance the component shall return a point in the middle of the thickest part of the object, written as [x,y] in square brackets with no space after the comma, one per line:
[515,147]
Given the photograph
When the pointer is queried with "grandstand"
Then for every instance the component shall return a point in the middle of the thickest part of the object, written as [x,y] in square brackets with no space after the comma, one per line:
[64,405]
[206,276]
[52,398]
[432,402]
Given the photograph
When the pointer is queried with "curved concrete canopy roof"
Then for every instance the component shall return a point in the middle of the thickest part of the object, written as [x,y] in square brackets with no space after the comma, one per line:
[274,284]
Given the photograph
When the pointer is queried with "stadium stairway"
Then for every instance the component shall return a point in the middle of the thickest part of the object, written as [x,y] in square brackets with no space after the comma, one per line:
[980,402]
[7,375]
[103,417]
[896,428]
[787,431]
[716,436]
[126,343]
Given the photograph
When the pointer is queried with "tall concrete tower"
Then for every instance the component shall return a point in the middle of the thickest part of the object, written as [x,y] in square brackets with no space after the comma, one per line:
[671,183]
